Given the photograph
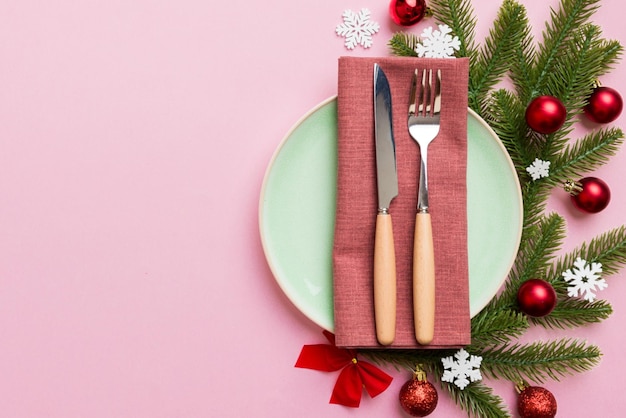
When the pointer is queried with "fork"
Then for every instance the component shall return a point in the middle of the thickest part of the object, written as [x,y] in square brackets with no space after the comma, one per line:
[423,124]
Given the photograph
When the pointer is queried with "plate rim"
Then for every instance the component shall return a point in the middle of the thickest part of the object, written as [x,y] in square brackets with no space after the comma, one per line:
[518,192]
[264,244]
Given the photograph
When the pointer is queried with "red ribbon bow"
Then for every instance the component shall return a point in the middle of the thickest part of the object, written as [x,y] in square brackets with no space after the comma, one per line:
[355,375]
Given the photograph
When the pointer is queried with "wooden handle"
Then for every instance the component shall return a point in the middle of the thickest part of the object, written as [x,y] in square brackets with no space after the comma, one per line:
[384,280]
[423,280]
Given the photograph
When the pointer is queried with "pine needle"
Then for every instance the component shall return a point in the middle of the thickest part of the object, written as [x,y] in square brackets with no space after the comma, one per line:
[539,361]
[495,56]
[494,328]
[573,313]
[403,44]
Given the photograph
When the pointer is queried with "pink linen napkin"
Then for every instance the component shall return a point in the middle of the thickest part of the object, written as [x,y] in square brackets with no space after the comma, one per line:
[357,203]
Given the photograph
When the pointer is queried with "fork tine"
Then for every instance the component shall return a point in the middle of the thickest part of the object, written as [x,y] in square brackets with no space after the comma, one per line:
[413,94]
[437,100]
[428,99]
[422,93]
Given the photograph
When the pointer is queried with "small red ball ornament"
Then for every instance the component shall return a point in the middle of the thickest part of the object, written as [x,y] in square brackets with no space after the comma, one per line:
[536,297]
[589,194]
[418,397]
[545,114]
[407,12]
[535,402]
[604,105]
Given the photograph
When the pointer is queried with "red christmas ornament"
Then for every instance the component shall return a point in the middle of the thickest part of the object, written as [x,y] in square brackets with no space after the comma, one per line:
[604,105]
[589,194]
[535,402]
[536,297]
[407,12]
[545,114]
[418,397]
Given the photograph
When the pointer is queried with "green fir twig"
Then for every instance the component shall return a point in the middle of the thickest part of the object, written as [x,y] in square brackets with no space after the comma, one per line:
[493,60]
[403,44]
[539,361]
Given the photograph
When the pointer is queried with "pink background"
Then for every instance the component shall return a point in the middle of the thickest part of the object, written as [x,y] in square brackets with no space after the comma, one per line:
[134,137]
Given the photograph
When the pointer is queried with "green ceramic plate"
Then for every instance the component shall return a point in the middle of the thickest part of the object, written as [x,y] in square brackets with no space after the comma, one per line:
[297,212]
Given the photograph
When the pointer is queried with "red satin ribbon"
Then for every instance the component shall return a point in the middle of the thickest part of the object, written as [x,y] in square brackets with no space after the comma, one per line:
[355,375]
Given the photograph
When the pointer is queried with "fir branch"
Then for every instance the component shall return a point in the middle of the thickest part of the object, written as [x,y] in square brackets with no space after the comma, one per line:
[403,44]
[536,251]
[505,115]
[584,58]
[478,400]
[459,16]
[539,361]
[537,248]
[585,155]
[609,249]
[571,15]
[495,328]
[572,313]
[498,51]
[522,67]
[534,197]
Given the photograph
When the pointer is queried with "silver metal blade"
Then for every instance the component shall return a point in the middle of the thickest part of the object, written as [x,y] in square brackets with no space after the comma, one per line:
[386,173]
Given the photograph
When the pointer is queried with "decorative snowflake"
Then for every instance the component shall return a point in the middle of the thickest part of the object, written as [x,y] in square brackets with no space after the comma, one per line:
[584,280]
[438,43]
[357,28]
[538,169]
[461,371]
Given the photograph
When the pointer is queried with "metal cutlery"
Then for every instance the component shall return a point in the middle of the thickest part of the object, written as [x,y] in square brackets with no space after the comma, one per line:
[387,183]
[423,125]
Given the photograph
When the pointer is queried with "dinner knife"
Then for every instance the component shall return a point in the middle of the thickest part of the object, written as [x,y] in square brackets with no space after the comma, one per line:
[387,183]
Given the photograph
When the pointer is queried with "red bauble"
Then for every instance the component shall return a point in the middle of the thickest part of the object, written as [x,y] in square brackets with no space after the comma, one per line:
[591,194]
[418,397]
[604,105]
[545,114]
[536,402]
[536,297]
[407,12]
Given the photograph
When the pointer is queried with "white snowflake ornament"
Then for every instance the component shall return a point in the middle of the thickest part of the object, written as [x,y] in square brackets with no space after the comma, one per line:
[463,370]
[584,280]
[357,28]
[438,43]
[539,169]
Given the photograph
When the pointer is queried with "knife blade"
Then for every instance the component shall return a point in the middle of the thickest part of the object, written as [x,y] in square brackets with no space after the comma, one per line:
[387,185]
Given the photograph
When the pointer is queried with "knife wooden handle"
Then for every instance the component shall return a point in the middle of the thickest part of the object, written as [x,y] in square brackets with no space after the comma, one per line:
[423,280]
[384,280]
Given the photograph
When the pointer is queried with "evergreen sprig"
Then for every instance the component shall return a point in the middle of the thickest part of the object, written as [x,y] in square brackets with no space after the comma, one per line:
[585,155]
[567,63]
[492,61]
[492,327]
[563,26]
[571,313]
[478,400]
[403,44]
[609,249]
[541,242]
[539,361]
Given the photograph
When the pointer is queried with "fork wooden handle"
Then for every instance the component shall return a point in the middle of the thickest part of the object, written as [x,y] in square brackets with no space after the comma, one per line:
[384,280]
[423,280]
